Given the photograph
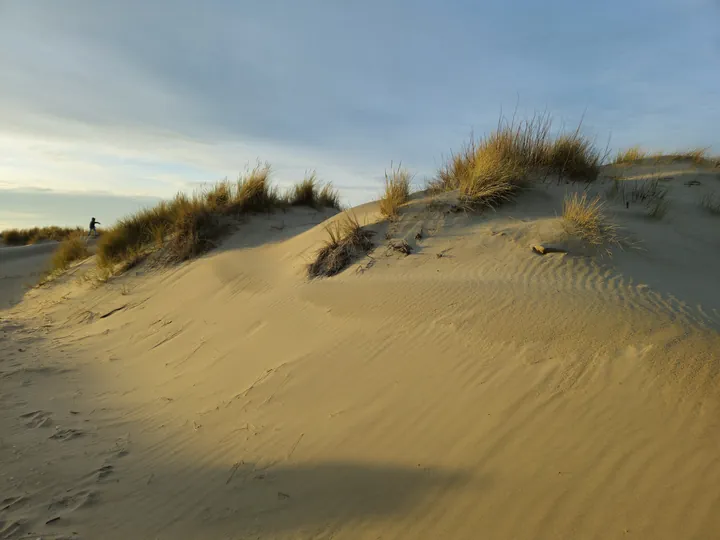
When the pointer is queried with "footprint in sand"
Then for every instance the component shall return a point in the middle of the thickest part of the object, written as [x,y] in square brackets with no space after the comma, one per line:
[12,503]
[13,528]
[37,419]
[67,434]
[103,472]
[10,527]
[72,501]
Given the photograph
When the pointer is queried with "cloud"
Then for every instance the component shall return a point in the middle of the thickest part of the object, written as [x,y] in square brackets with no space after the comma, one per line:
[151,97]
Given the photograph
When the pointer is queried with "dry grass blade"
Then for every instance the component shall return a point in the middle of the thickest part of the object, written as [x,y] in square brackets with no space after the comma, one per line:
[397,191]
[347,240]
[586,218]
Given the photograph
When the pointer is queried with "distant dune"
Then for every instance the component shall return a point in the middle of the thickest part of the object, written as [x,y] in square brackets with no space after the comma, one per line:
[452,383]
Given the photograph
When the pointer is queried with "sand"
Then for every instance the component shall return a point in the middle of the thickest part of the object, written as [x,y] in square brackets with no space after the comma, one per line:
[473,389]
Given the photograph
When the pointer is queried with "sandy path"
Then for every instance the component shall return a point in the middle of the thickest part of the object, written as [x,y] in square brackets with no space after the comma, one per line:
[486,393]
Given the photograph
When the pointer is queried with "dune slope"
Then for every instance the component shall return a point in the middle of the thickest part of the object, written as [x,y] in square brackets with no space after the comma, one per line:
[472,389]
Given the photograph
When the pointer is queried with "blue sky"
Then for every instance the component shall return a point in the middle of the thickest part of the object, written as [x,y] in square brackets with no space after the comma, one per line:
[141,99]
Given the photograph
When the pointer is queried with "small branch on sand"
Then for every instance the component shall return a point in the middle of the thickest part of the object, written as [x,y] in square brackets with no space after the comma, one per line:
[233,470]
[295,445]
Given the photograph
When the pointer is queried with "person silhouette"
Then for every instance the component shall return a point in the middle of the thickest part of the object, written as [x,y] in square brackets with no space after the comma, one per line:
[93,230]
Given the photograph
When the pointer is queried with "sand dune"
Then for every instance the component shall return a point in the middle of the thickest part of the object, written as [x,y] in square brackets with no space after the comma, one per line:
[472,389]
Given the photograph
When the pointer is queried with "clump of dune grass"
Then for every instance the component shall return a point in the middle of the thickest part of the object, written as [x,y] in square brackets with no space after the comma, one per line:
[310,193]
[255,193]
[630,155]
[329,197]
[346,241]
[710,202]
[72,249]
[23,237]
[397,191]
[586,219]
[494,168]
[191,224]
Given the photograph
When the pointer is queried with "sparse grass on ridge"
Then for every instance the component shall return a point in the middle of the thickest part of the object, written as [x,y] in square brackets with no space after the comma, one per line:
[492,169]
[630,155]
[586,218]
[189,225]
[635,154]
[397,191]
[72,249]
[346,241]
[23,237]
[649,193]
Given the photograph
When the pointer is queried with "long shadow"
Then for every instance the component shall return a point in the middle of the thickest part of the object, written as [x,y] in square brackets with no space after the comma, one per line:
[105,479]
[274,227]
[285,500]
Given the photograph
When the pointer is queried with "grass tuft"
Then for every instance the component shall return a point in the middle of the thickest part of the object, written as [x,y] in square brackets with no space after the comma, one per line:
[72,249]
[631,155]
[397,191]
[586,218]
[255,193]
[492,169]
[309,193]
[346,241]
[329,197]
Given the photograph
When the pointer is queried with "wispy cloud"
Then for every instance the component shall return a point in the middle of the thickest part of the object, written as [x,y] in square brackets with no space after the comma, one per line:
[151,97]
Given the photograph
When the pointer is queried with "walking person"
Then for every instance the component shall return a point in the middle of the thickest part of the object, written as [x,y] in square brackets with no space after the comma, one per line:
[93,230]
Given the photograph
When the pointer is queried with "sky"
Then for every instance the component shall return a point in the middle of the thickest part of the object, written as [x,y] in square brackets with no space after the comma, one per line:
[112,105]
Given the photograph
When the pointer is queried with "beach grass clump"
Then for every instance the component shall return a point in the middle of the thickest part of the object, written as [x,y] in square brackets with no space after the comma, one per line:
[397,191]
[191,224]
[493,169]
[346,241]
[71,249]
[586,218]
[310,192]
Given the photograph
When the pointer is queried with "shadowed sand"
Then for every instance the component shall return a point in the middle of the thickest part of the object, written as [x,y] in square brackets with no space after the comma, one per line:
[473,389]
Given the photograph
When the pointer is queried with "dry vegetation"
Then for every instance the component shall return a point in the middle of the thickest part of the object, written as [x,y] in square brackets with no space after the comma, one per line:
[189,225]
[347,240]
[635,154]
[72,249]
[23,237]
[630,155]
[649,193]
[397,192]
[310,193]
[492,169]
[586,218]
